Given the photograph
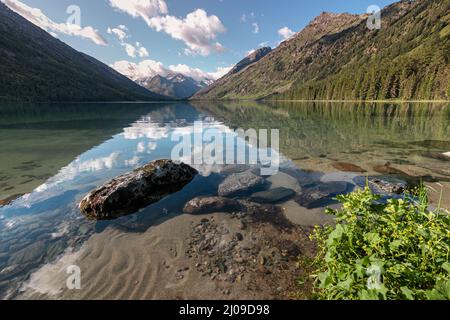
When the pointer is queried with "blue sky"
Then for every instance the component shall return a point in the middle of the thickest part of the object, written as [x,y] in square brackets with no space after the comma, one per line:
[242,25]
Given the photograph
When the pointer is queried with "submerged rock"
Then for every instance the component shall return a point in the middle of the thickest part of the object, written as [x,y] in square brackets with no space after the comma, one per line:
[436,155]
[32,253]
[322,194]
[382,185]
[303,178]
[387,169]
[206,205]
[136,190]
[234,168]
[347,167]
[273,195]
[433,144]
[240,184]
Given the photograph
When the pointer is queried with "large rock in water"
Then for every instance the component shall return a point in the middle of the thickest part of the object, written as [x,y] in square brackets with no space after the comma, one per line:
[136,190]
[241,184]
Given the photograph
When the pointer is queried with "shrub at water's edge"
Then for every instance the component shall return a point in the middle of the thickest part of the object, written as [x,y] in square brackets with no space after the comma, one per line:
[395,250]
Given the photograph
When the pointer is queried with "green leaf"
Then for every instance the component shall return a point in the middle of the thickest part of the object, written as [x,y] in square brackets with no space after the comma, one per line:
[394,245]
[373,238]
[369,295]
[325,279]
[446,267]
[407,293]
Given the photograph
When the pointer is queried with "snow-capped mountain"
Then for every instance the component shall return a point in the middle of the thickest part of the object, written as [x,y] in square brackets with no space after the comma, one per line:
[174,85]
[176,82]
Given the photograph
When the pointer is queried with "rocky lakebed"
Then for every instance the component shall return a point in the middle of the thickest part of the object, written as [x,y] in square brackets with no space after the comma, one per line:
[141,227]
[236,240]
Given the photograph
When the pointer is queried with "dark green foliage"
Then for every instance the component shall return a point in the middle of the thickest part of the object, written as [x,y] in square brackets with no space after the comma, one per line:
[398,250]
[34,66]
[408,59]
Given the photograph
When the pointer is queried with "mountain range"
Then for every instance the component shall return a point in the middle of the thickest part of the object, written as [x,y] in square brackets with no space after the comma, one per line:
[35,66]
[337,57]
[174,85]
[242,66]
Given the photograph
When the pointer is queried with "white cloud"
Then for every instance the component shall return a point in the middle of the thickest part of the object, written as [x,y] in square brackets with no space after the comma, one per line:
[198,31]
[250,52]
[143,53]
[131,50]
[221,71]
[198,74]
[135,71]
[151,68]
[255,28]
[251,17]
[245,17]
[286,33]
[145,9]
[37,17]
[120,32]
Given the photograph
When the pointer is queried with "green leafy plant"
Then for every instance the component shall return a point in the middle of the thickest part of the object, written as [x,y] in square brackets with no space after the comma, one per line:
[394,250]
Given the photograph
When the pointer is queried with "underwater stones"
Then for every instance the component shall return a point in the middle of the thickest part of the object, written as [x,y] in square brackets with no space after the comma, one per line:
[234,168]
[273,195]
[131,192]
[32,253]
[347,167]
[388,170]
[303,178]
[382,185]
[436,155]
[433,144]
[206,205]
[322,194]
[241,184]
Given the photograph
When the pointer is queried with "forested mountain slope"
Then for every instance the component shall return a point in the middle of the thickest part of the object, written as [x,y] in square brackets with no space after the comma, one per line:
[35,66]
[337,57]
